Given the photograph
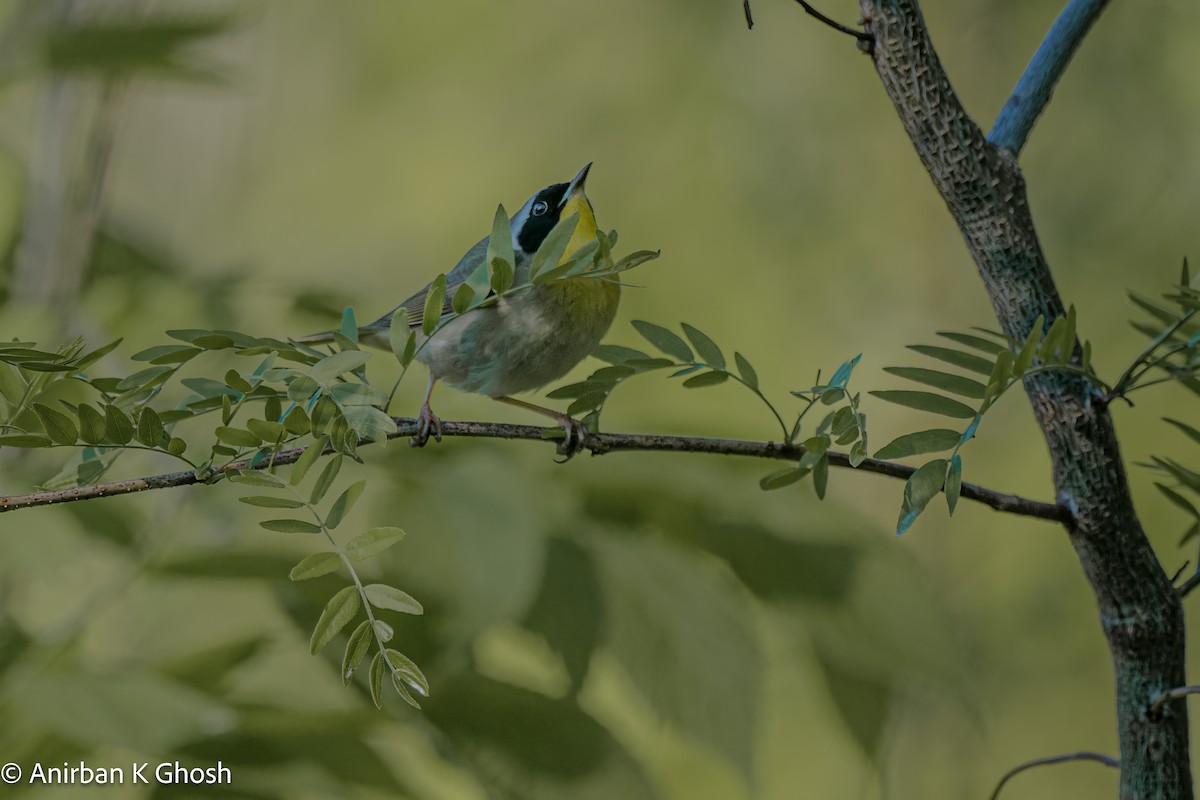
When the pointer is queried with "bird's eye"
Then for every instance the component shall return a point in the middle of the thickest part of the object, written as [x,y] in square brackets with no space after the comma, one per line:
[540,208]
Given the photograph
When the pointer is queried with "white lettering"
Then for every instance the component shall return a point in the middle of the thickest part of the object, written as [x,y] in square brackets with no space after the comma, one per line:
[172,772]
[80,774]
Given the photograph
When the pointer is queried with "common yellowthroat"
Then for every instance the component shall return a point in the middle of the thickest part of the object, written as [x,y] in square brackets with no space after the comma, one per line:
[530,336]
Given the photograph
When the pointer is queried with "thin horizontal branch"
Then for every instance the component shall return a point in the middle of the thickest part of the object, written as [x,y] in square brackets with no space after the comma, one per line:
[1101,758]
[596,443]
[1035,86]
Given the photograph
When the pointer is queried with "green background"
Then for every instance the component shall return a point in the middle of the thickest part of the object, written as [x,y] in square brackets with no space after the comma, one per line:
[747,644]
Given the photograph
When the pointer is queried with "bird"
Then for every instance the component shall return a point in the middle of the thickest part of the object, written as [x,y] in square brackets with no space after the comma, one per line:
[529,336]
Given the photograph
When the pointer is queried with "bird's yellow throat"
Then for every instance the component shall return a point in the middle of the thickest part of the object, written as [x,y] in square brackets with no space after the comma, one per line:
[585,229]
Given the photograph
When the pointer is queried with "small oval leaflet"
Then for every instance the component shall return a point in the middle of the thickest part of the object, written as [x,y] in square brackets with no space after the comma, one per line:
[664,340]
[356,650]
[270,501]
[781,478]
[340,609]
[315,566]
[384,631]
[927,401]
[343,504]
[383,596]
[372,542]
[337,364]
[709,352]
[921,487]
[290,526]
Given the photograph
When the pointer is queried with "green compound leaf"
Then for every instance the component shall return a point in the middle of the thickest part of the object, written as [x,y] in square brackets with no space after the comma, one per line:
[340,609]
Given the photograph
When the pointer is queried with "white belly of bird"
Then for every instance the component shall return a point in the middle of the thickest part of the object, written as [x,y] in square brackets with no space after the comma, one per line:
[525,341]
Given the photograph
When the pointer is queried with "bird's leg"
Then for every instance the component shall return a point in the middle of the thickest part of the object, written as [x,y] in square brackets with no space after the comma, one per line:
[576,432]
[427,421]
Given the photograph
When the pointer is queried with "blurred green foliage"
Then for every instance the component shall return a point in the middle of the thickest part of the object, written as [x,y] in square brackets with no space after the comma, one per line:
[635,625]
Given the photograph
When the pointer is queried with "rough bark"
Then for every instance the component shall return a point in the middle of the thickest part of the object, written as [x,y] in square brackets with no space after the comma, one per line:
[1140,613]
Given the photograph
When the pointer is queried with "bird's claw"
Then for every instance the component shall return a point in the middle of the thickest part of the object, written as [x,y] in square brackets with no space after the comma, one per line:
[573,441]
[427,422]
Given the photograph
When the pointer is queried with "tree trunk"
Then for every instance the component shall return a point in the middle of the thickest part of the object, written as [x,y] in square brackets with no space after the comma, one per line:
[1140,612]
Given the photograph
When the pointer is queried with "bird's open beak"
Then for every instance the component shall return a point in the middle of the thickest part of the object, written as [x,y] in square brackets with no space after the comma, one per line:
[576,184]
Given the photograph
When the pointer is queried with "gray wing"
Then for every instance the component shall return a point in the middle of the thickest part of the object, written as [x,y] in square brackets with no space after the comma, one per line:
[415,305]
